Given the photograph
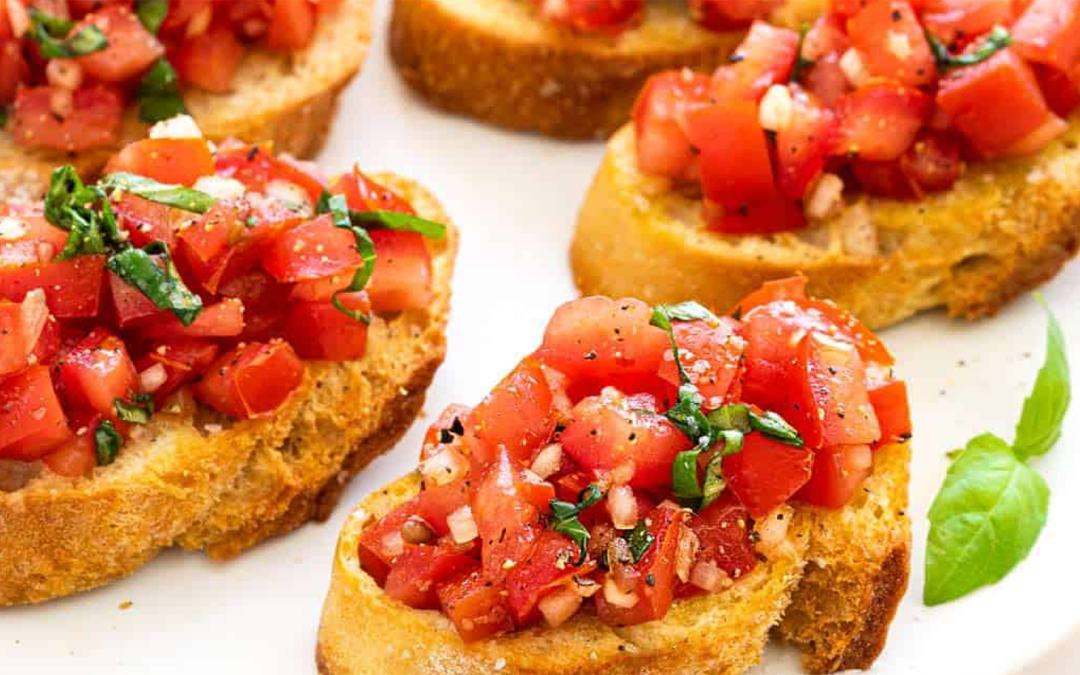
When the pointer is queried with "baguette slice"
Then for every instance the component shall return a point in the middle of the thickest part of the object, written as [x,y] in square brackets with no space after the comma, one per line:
[1004,228]
[220,485]
[285,98]
[497,61]
[856,571]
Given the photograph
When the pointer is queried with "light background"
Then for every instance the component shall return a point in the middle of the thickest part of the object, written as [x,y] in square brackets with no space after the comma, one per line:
[515,198]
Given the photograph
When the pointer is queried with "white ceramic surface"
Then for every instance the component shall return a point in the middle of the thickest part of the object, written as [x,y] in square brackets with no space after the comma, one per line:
[515,198]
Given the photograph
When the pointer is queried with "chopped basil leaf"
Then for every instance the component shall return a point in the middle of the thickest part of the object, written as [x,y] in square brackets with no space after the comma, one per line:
[684,311]
[997,40]
[684,475]
[138,411]
[338,209]
[802,64]
[152,13]
[69,205]
[776,427]
[163,287]
[564,518]
[159,98]
[177,196]
[49,31]
[403,222]
[3,117]
[107,443]
[640,540]
[732,416]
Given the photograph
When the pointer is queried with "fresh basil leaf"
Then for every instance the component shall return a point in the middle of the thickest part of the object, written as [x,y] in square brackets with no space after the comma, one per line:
[564,518]
[1044,410]
[4,117]
[984,521]
[640,540]
[684,311]
[177,196]
[49,31]
[338,209]
[801,64]
[997,40]
[776,427]
[139,411]
[159,98]
[403,222]
[714,475]
[163,287]
[152,13]
[684,475]
[107,443]
[732,416]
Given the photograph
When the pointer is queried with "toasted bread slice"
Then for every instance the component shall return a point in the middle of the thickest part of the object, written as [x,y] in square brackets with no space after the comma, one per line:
[222,485]
[855,586]
[285,98]
[1005,227]
[497,61]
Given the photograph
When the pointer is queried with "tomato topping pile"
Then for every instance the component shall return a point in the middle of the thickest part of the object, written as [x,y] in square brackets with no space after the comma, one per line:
[638,456]
[69,67]
[186,276]
[888,96]
[612,17]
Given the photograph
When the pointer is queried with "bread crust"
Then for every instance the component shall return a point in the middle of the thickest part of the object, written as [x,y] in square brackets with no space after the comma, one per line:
[1004,228]
[496,61]
[285,98]
[363,632]
[219,485]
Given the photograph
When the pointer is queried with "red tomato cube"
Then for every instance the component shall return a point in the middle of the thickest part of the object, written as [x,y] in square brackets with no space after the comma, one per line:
[879,122]
[736,167]
[402,276]
[765,57]
[1049,32]
[517,415]
[32,421]
[890,40]
[415,574]
[766,473]
[312,250]
[93,122]
[710,355]
[253,380]
[319,330]
[476,606]
[179,161]
[131,47]
[838,473]
[97,372]
[660,121]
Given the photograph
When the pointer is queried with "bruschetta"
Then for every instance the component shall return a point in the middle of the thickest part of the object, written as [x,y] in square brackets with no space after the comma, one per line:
[200,350]
[902,158]
[652,490]
[567,68]
[80,79]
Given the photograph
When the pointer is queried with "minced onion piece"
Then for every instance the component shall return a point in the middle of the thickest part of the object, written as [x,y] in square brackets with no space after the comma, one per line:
[707,576]
[685,552]
[622,506]
[64,73]
[444,467]
[219,187]
[289,194]
[616,597]
[853,67]
[153,377]
[825,195]
[12,228]
[462,525]
[772,529]
[548,461]
[585,586]
[623,473]
[178,126]
[393,544]
[33,314]
[776,108]
[559,606]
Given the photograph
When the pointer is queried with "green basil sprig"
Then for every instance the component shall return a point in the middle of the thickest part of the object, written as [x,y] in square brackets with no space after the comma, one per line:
[71,206]
[152,13]
[107,443]
[338,209]
[163,286]
[801,64]
[564,518]
[138,411]
[49,33]
[176,196]
[640,540]
[992,506]
[159,98]
[997,40]
[385,220]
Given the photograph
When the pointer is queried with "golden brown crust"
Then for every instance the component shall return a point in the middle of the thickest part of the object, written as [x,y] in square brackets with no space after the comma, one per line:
[285,98]
[1004,228]
[220,485]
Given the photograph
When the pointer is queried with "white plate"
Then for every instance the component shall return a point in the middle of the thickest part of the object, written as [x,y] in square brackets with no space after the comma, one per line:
[515,199]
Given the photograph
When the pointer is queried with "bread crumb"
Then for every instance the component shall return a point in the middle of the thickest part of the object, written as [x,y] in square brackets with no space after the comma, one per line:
[126,605]
[500,664]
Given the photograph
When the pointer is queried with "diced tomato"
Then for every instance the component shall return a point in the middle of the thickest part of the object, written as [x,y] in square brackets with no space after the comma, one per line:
[1039,138]
[131,47]
[931,164]
[93,122]
[184,360]
[723,532]
[209,60]
[828,35]
[736,168]
[765,57]
[27,335]
[849,8]
[416,573]
[838,473]
[253,380]
[660,114]
[72,287]
[254,166]
[549,567]
[97,372]
[76,457]
[13,69]
[766,473]
[506,505]
[32,421]
[607,16]
[381,543]
[662,393]
[364,194]
[710,356]
[402,276]
[319,330]
[439,501]
[146,221]
[722,15]
[313,250]
[890,401]
[476,606]
[835,405]
[221,319]
[1049,32]
[49,342]
[599,338]
[879,122]
[849,329]
[181,12]
[953,21]
[775,214]
[804,144]
[1007,79]
[788,288]
[204,244]
[167,160]
[129,304]
[826,79]
[891,43]
[1062,90]
[655,586]
[517,415]
[612,430]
